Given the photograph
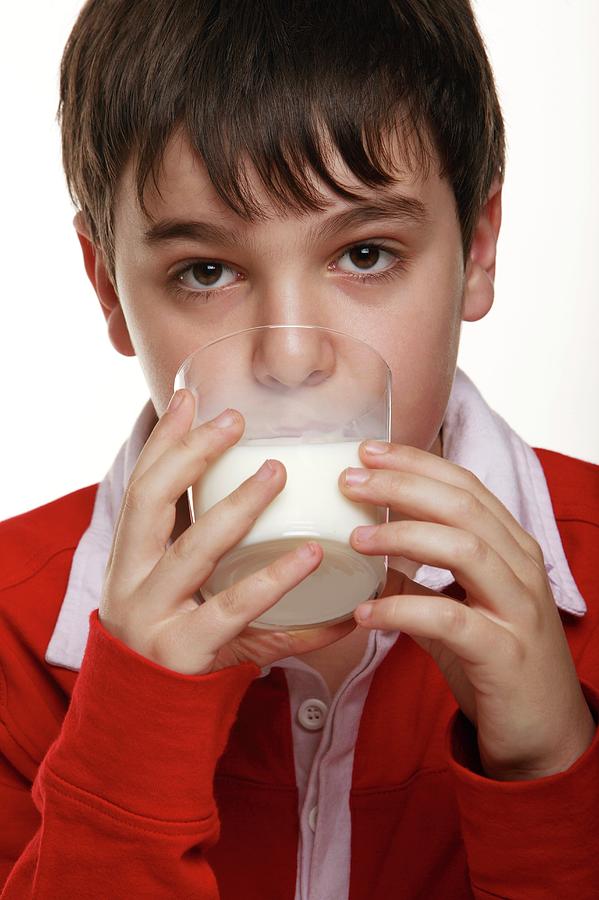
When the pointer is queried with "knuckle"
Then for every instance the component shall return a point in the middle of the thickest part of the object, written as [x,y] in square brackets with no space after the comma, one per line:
[273,574]
[532,615]
[533,548]
[399,483]
[453,617]
[476,484]
[230,601]
[536,580]
[398,480]
[237,501]
[135,498]
[406,455]
[394,608]
[471,547]
[471,482]
[181,549]
[402,528]
[188,441]
[247,500]
[467,506]
[513,650]
[192,545]
[277,574]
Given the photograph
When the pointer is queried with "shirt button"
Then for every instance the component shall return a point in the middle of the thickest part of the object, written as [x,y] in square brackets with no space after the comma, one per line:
[312,714]
[312,817]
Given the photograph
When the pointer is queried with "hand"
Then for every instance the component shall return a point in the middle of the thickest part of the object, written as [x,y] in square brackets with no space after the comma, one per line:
[503,652]
[147,599]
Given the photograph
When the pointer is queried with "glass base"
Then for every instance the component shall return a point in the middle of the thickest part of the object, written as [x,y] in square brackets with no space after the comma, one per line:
[343,580]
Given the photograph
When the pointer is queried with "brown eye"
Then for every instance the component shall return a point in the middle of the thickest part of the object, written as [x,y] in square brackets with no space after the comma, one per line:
[364,255]
[207,273]
[371,259]
[202,275]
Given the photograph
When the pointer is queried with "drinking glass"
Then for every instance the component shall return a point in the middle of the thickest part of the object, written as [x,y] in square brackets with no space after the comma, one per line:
[309,396]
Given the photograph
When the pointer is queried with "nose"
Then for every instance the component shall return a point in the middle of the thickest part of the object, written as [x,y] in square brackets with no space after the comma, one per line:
[287,358]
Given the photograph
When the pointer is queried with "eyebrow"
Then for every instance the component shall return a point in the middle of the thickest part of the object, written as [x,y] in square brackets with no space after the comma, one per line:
[397,208]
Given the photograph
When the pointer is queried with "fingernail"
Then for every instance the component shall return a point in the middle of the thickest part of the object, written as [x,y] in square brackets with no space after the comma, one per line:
[365,533]
[365,611]
[265,471]
[308,550]
[176,400]
[376,447]
[225,419]
[356,476]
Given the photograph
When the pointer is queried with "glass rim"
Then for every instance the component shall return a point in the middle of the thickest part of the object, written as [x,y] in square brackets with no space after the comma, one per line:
[185,364]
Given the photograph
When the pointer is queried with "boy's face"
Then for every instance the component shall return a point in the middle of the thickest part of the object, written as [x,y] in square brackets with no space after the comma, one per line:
[281,270]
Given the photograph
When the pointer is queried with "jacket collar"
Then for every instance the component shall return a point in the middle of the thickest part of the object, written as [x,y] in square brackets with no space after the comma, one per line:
[474,437]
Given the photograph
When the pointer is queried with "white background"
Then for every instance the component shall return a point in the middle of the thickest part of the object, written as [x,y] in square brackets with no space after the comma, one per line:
[69,400]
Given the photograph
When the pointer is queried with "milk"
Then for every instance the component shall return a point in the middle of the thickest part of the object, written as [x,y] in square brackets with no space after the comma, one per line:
[310,506]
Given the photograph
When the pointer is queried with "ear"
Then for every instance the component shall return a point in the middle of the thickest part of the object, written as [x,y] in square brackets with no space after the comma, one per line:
[479,290]
[95,266]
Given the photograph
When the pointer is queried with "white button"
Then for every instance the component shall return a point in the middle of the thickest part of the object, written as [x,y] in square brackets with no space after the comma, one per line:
[312,714]
[312,817]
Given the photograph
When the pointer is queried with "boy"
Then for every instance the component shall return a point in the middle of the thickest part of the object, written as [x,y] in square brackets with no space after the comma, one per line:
[338,164]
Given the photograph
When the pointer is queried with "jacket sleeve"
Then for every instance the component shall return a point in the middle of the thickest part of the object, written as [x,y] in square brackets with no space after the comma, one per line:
[124,795]
[528,839]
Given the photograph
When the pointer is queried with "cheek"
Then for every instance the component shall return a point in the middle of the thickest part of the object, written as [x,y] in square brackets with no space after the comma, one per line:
[161,345]
[161,339]
[159,360]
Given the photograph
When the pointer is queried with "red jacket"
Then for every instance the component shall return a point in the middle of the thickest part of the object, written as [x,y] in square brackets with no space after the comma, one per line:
[130,780]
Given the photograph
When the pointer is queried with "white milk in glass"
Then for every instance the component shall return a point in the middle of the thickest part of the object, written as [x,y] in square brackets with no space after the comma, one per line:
[310,506]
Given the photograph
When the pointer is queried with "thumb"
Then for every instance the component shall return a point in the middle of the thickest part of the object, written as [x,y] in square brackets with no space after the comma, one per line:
[266,647]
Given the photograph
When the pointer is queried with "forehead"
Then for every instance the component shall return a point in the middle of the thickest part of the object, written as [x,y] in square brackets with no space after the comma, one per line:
[183,186]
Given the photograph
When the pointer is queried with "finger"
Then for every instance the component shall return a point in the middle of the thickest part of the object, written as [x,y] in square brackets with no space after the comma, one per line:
[475,639]
[488,579]
[221,618]
[412,459]
[190,560]
[149,504]
[431,500]
[169,428]
[265,647]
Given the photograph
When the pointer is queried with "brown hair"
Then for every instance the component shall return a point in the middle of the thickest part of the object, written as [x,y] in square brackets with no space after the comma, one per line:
[266,78]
